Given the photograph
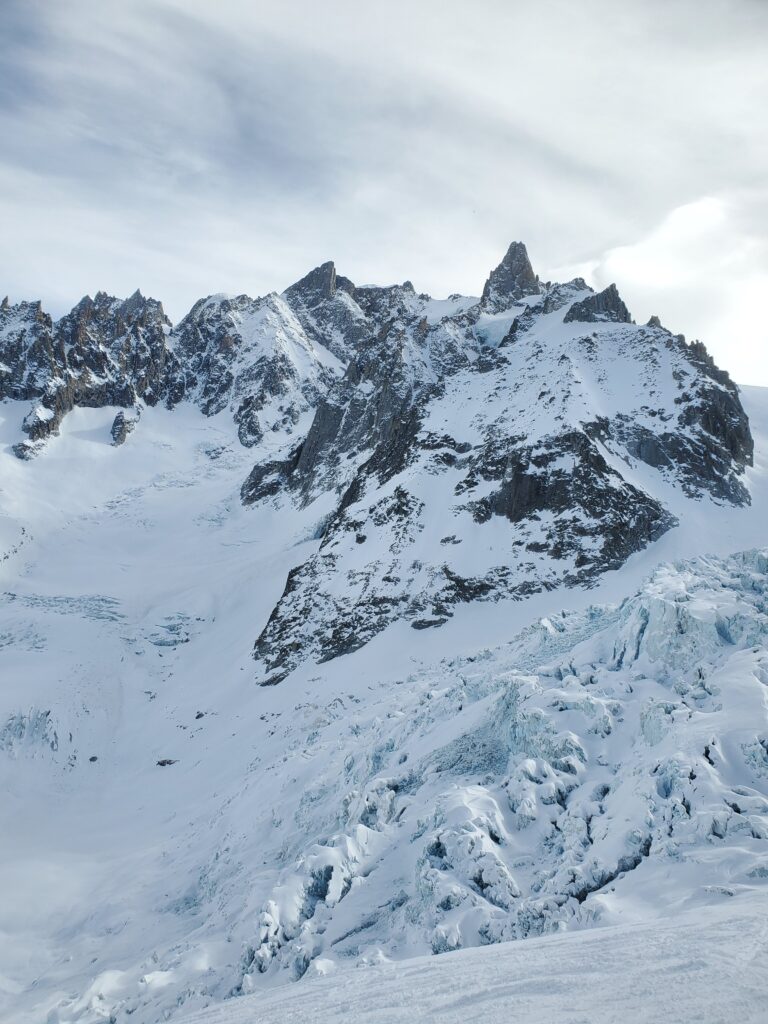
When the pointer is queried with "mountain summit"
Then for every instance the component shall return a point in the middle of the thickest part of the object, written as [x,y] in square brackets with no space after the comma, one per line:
[512,280]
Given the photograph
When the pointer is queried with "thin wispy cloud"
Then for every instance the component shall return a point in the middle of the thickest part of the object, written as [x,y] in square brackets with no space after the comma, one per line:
[186,147]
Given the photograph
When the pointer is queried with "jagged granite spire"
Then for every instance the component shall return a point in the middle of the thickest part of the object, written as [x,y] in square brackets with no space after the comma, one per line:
[511,280]
[318,284]
[321,301]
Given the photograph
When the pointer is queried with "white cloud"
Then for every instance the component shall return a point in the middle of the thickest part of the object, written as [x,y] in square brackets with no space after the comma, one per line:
[706,275]
[187,147]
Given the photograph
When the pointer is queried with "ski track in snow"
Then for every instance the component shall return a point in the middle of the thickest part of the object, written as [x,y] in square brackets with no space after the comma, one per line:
[131,885]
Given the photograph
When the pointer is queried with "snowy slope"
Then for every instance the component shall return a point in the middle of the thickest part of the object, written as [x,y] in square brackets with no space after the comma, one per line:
[127,623]
[707,965]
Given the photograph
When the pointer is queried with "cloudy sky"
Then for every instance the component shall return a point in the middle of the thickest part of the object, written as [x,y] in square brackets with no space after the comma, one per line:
[189,147]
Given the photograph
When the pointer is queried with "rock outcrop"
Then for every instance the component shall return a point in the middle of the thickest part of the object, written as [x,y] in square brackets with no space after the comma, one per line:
[512,280]
[605,306]
[123,425]
[31,364]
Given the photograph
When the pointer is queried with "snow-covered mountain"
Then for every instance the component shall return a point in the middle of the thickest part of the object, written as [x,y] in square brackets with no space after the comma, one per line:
[349,625]
[466,470]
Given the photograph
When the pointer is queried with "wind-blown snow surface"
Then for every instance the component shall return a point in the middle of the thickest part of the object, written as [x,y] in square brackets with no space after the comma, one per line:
[174,835]
[707,965]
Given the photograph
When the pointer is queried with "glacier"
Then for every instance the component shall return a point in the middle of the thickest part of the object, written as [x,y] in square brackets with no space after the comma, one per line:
[496,777]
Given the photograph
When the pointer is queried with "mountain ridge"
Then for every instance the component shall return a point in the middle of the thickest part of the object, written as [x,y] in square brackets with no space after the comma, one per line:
[375,374]
[364,626]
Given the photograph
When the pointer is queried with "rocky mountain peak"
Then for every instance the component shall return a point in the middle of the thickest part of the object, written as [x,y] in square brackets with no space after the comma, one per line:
[603,306]
[317,285]
[253,356]
[137,302]
[354,391]
[326,305]
[512,280]
[100,323]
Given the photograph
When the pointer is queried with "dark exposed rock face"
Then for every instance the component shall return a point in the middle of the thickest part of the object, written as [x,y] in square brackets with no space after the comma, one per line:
[105,352]
[268,479]
[704,441]
[319,284]
[371,417]
[29,362]
[563,477]
[367,421]
[122,426]
[556,296]
[325,306]
[513,279]
[606,305]
[315,615]
[116,351]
